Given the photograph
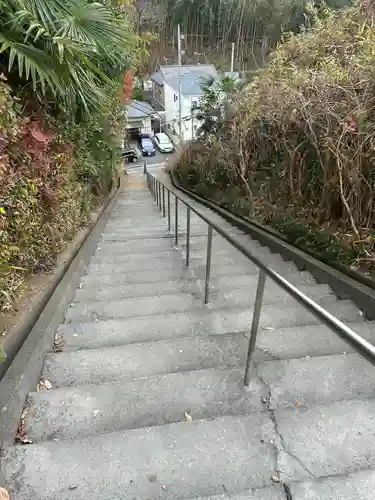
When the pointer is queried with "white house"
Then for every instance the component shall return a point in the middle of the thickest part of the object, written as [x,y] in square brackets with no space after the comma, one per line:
[165,90]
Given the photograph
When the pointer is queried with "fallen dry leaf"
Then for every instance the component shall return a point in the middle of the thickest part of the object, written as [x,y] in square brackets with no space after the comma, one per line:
[21,432]
[188,417]
[21,437]
[59,343]
[25,441]
[43,385]
[48,384]
[24,414]
[275,479]
[298,404]
[4,495]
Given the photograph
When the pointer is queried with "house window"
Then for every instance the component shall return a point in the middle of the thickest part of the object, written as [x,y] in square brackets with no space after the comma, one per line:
[175,97]
[194,104]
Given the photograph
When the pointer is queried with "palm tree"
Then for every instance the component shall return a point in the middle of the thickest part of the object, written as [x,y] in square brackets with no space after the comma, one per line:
[67,50]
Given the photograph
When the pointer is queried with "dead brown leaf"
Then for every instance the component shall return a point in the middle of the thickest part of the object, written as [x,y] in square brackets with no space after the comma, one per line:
[43,385]
[21,437]
[59,343]
[4,495]
[188,417]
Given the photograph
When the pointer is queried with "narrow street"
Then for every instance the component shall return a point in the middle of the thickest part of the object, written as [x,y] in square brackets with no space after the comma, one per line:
[157,161]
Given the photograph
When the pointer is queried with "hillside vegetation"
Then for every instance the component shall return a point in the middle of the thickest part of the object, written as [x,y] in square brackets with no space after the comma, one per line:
[299,151]
[210,27]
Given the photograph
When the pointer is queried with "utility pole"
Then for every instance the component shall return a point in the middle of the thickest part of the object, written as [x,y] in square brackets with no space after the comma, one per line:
[232,60]
[179,84]
[192,124]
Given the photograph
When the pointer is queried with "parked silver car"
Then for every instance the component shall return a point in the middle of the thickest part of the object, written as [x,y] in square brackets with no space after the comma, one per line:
[163,143]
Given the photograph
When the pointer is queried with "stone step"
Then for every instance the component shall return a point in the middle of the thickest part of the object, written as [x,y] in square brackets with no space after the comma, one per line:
[101,289]
[357,485]
[115,364]
[251,280]
[326,440]
[239,297]
[131,308]
[158,253]
[317,381]
[170,259]
[145,329]
[227,276]
[183,302]
[269,493]
[86,410]
[235,264]
[153,275]
[98,291]
[136,234]
[230,293]
[176,461]
[122,266]
[202,457]
[235,270]
[158,400]
[311,340]
[135,246]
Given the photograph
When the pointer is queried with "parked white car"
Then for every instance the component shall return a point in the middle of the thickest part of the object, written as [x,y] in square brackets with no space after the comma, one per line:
[163,143]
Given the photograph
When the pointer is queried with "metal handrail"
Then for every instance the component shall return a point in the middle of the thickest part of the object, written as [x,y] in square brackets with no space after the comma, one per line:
[359,344]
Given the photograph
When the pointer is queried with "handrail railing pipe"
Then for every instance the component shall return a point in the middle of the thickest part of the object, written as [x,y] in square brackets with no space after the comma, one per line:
[208,264]
[187,235]
[176,221]
[255,325]
[163,201]
[358,343]
[169,209]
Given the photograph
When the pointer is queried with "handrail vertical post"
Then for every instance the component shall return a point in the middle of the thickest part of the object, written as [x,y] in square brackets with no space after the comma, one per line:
[160,200]
[163,201]
[169,210]
[208,264]
[255,325]
[157,191]
[176,221]
[187,235]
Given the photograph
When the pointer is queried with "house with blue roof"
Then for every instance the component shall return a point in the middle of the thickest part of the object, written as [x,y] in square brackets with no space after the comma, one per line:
[165,90]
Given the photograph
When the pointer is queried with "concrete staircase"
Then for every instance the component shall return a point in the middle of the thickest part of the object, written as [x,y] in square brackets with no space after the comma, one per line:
[147,397]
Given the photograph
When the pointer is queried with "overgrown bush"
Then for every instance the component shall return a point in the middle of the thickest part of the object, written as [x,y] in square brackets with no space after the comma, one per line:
[52,174]
[299,152]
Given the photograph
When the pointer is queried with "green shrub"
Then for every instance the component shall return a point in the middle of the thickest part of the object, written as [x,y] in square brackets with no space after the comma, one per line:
[300,146]
[50,179]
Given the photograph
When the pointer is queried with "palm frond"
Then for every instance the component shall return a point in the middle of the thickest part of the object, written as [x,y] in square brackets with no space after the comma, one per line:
[68,47]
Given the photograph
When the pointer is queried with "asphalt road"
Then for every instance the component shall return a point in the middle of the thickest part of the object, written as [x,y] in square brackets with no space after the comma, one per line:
[158,160]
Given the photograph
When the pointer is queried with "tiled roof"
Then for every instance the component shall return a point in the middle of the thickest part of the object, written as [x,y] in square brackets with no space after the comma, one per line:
[139,109]
[192,77]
